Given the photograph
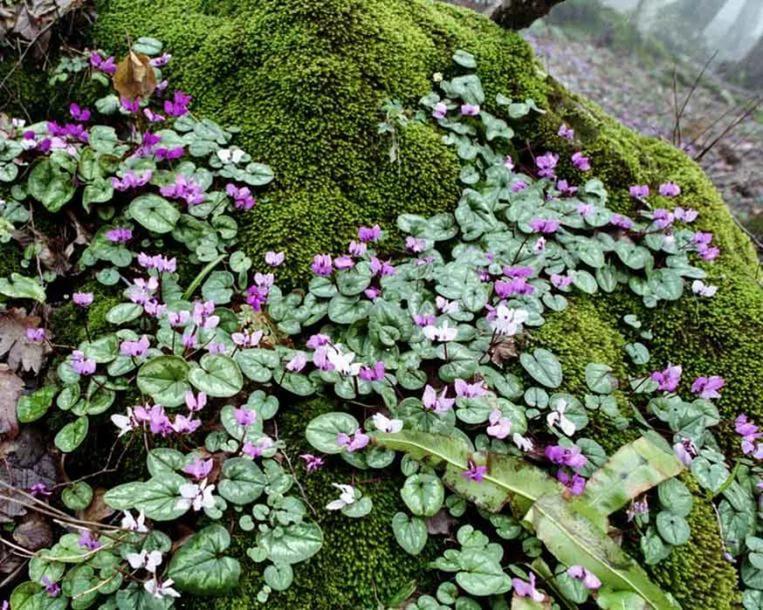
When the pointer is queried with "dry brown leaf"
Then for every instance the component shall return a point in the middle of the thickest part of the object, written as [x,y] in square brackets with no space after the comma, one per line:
[98,510]
[10,389]
[441,524]
[13,341]
[503,349]
[34,532]
[135,77]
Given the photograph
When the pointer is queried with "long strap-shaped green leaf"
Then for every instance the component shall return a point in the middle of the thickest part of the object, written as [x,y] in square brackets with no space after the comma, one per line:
[571,530]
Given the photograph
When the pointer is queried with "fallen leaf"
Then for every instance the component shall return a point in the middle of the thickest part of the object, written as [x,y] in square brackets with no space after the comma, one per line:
[13,341]
[10,389]
[34,532]
[135,77]
[441,523]
[503,349]
[98,510]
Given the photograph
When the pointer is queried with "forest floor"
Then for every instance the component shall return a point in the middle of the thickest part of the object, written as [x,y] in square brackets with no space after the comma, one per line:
[640,94]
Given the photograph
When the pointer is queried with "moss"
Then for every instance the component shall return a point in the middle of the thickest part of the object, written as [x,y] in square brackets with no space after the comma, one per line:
[696,573]
[306,80]
[361,565]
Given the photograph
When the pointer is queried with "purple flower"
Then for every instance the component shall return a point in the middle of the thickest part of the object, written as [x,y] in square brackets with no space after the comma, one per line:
[82,365]
[546,165]
[158,262]
[566,456]
[35,335]
[525,589]
[565,189]
[382,268]
[82,299]
[131,180]
[639,191]
[566,132]
[668,379]
[515,286]
[369,234]
[415,245]
[184,188]
[685,451]
[518,271]
[518,186]
[256,449]
[574,483]
[119,235]
[247,338]
[297,362]
[322,265]
[242,197]
[79,113]
[474,472]
[561,281]
[153,117]
[131,106]
[40,489]
[708,387]
[158,422]
[107,65]
[312,462]
[623,222]
[53,589]
[169,154]
[662,218]
[581,162]
[440,110]
[589,579]
[423,320]
[318,340]
[178,106]
[372,293]
[358,440]
[244,417]
[470,109]
[357,248]
[88,541]
[708,253]
[670,189]
[161,61]
[274,259]
[199,469]
[544,225]
[375,373]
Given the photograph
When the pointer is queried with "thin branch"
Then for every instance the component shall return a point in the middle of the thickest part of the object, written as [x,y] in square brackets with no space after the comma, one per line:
[753,107]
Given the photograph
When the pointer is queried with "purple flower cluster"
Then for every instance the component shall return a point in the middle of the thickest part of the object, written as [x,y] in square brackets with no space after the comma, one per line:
[184,188]
[242,197]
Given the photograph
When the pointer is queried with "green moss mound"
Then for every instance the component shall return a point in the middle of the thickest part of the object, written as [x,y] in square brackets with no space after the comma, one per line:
[306,81]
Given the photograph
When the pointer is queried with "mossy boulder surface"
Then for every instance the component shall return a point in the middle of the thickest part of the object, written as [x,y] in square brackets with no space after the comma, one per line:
[306,81]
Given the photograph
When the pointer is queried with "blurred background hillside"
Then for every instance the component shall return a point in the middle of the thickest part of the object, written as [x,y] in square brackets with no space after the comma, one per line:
[688,71]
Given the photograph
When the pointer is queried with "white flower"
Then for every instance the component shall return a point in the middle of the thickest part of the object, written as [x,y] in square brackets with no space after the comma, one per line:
[343,362]
[196,496]
[525,444]
[125,423]
[385,424]
[161,589]
[704,290]
[558,418]
[346,497]
[446,306]
[144,559]
[443,333]
[508,321]
[231,155]
[500,427]
[134,525]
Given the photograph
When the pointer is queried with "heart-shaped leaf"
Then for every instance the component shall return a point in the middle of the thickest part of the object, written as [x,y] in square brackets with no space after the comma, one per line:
[155,213]
[543,366]
[410,533]
[200,567]
[165,379]
[218,376]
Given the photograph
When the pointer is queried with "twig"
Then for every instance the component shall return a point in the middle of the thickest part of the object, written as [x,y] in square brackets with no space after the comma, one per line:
[692,89]
[21,59]
[753,107]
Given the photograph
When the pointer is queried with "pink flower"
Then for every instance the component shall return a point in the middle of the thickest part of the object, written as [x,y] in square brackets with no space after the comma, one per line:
[623,222]
[566,132]
[342,263]
[525,589]
[574,483]
[470,109]
[242,197]
[662,218]
[415,245]
[195,403]
[135,349]
[639,191]
[185,425]
[81,364]
[565,188]
[561,281]
[312,462]
[184,188]
[88,541]
[322,265]
[130,105]
[318,340]
[274,259]
[670,189]
[35,335]
[589,579]
[686,215]
[78,113]
[244,417]
[178,106]
[585,209]
[107,65]
[297,362]
[256,449]
[357,248]
[169,154]
[546,165]
[439,404]
[544,225]
[667,379]
[199,469]
[440,110]
[375,373]
[82,299]
[358,440]
[708,387]
[581,162]
[566,456]
[382,268]
[470,390]
[119,235]
[500,427]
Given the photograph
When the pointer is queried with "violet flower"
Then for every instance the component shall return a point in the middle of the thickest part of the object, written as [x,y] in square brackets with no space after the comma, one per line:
[470,390]
[244,417]
[544,225]
[184,188]
[358,440]
[623,222]
[589,579]
[242,197]
[474,472]
[274,259]
[708,387]
[82,299]
[195,403]
[500,426]
[119,235]
[566,132]
[312,462]
[53,589]
[375,373]
[256,449]
[169,154]
[81,364]
[79,113]
[574,483]
[135,349]
[178,105]
[546,165]
[438,403]
[88,541]
[581,162]
[525,589]
[470,109]
[199,469]
[369,234]
[35,335]
[667,379]
[670,189]
[107,65]
[297,363]
[440,110]
[639,191]
[322,265]
[687,215]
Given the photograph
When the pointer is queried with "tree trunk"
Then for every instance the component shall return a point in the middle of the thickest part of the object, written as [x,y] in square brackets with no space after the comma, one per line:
[518,14]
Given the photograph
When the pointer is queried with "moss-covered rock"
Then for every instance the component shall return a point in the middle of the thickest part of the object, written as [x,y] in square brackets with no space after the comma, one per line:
[306,81]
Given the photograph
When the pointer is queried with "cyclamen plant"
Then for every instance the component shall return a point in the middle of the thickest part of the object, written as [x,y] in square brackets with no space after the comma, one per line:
[430,354]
